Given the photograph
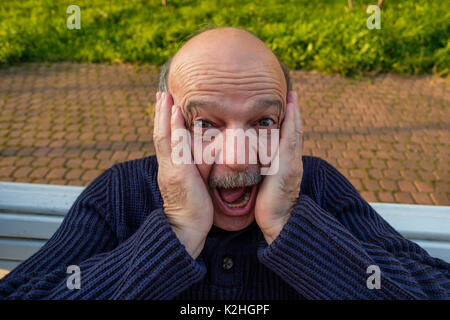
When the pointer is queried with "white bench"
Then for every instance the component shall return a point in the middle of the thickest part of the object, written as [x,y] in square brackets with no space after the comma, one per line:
[31,213]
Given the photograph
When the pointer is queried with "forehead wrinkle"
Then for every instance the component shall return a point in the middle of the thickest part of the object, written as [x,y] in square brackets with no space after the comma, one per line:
[190,73]
[192,105]
[203,82]
[215,86]
[231,68]
[193,77]
[223,83]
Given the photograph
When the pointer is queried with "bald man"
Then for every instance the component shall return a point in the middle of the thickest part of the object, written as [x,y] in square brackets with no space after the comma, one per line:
[161,228]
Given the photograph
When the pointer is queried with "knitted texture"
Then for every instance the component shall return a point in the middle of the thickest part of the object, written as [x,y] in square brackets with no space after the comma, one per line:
[117,233]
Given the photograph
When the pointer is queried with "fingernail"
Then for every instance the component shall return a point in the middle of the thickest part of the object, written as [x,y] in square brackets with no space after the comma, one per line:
[295,95]
[174,109]
[291,95]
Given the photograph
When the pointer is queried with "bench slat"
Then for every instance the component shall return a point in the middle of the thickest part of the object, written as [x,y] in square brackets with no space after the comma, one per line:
[28,225]
[417,221]
[18,249]
[31,213]
[37,198]
[8,265]
[436,249]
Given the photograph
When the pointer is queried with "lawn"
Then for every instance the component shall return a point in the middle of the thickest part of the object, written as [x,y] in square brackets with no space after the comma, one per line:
[313,35]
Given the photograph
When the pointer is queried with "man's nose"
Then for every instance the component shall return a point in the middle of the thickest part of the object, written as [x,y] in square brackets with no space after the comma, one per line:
[240,149]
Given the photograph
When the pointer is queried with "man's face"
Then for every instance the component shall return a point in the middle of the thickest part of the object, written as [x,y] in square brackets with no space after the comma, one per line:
[222,93]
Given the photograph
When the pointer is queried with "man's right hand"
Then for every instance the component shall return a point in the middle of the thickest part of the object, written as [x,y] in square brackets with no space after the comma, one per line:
[187,203]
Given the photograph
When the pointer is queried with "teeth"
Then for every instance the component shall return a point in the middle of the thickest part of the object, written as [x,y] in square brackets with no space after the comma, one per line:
[242,203]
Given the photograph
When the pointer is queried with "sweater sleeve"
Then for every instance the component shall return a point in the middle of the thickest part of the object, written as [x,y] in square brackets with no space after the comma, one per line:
[324,251]
[150,264]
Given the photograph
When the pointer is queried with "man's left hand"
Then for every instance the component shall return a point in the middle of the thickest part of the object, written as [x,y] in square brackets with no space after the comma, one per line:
[279,193]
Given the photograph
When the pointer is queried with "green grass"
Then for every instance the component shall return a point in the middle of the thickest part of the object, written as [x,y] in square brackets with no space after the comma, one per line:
[313,35]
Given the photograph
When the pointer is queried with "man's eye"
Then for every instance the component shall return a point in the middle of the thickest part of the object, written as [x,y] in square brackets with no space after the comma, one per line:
[202,124]
[266,122]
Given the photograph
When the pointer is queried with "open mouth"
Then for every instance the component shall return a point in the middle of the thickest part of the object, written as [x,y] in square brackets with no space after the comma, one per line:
[235,201]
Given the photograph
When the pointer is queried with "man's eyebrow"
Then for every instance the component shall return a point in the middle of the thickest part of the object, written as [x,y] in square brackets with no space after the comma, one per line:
[267,103]
[193,104]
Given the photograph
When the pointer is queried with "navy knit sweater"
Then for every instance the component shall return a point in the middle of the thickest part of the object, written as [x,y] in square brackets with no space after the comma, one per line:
[118,235]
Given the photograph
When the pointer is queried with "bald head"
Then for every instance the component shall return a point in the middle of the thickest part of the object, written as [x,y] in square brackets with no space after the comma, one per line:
[231,44]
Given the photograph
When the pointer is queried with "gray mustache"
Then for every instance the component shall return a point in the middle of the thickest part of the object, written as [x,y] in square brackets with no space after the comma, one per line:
[235,180]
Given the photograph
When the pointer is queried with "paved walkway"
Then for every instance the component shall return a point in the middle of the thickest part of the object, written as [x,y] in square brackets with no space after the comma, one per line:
[66,123]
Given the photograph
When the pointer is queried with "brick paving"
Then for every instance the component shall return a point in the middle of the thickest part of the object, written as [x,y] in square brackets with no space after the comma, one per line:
[65,123]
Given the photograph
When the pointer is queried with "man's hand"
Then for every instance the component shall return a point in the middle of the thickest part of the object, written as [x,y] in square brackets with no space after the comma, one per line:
[187,203]
[278,193]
